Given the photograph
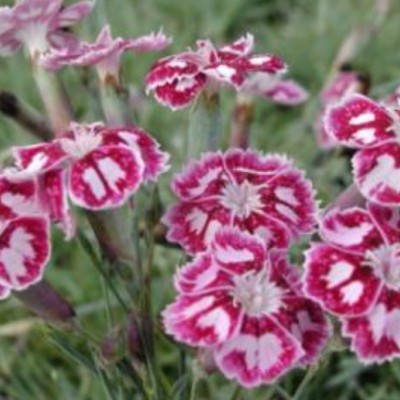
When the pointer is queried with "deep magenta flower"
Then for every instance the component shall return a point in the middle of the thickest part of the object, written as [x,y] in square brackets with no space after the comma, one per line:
[262,194]
[24,236]
[344,83]
[39,24]
[355,274]
[97,167]
[244,303]
[105,53]
[176,80]
[359,122]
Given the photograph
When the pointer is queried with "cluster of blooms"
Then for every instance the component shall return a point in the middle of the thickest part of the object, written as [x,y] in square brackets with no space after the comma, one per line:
[178,79]
[90,165]
[355,272]
[238,212]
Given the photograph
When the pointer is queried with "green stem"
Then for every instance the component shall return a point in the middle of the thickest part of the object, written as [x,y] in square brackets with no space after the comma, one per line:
[114,103]
[204,126]
[307,378]
[54,98]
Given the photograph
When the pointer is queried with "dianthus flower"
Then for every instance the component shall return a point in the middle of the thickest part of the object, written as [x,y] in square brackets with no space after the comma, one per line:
[105,53]
[262,194]
[355,274]
[244,303]
[97,167]
[39,24]
[360,123]
[176,80]
[24,236]
[345,83]
[272,87]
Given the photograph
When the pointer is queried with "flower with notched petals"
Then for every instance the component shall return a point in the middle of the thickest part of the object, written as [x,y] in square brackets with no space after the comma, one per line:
[104,53]
[355,274]
[236,300]
[261,194]
[39,24]
[177,80]
[345,83]
[24,236]
[97,167]
[374,130]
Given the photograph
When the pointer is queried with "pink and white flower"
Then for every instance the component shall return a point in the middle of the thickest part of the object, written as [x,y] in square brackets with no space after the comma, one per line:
[261,194]
[105,53]
[238,300]
[355,274]
[177,80]
[344,83]
[360,123]
[39,24]
[24,236]
[97,167]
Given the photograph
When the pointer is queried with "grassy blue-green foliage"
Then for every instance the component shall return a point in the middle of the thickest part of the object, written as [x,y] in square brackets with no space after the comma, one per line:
[34,363]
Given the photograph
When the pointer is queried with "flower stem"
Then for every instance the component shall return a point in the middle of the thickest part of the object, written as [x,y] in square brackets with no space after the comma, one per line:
[241,121]
[114,102]
[307,378]
[204,126]
[54,98]
[24,115]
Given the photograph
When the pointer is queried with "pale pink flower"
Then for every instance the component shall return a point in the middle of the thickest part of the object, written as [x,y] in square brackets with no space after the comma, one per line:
[39,24]
[105,53]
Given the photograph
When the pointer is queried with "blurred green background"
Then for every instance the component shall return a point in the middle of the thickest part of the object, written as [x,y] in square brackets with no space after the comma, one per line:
[307,34]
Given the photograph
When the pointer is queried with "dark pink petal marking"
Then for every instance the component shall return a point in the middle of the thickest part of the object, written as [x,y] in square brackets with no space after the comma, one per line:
[17,198]
[289,197]
[105,178]
[375,337]
[200,276]
[359,122]
[193,225]
[259,354]
[238,252]
[306,321]
[351,230]
[202,320]
[377,173]
[155,160]
[39,158]
[54,199]
[388,221]
[239,48]
[180,92]
[340,281]
[201,179]
[24,251]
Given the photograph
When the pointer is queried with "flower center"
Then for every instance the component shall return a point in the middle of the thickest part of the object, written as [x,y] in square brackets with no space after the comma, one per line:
[386,263]
[242,199]
[86,139]
[256,293]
